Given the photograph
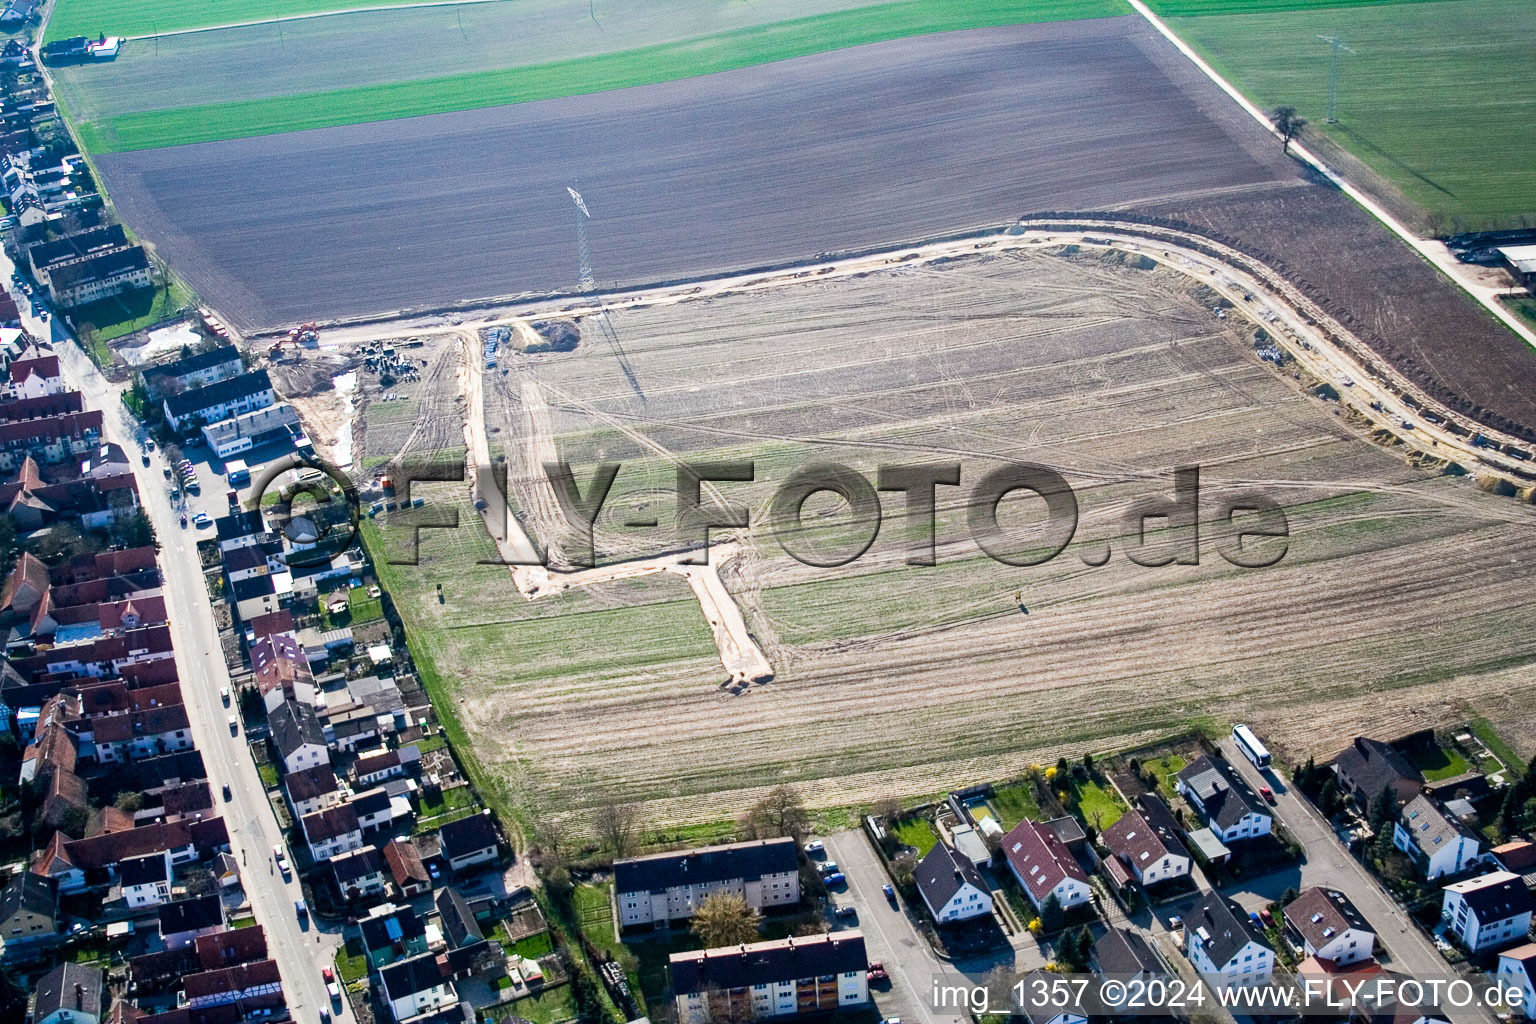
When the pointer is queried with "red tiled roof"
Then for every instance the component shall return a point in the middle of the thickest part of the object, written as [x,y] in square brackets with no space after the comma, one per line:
[1041,860]
[236,946]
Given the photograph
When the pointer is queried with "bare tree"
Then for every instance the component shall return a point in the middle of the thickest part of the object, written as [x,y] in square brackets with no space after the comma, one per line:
[617,823]
[888,807]
[724,919]
[551,841]
[779,813]
[1288,123]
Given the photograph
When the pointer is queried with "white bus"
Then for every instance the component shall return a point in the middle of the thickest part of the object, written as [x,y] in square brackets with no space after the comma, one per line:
[1249,744]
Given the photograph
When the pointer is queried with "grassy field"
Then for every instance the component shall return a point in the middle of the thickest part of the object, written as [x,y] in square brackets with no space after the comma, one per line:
[1432,98]
[685,57]
[1484,730]
[144,17]
[1181,8]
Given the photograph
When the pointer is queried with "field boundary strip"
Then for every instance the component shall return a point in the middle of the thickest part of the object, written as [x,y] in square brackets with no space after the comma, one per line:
[1435,252]
[649,65]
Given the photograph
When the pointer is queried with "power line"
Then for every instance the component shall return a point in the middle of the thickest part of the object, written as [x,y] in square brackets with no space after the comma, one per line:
[1337,45]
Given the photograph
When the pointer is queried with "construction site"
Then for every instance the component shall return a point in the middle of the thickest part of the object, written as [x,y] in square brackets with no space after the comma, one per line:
[1112,352]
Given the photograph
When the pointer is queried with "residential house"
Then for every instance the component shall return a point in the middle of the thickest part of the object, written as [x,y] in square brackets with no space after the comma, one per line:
[1367,766]
[146,880]
[1517,969]
[1487,912]
[29,907]
[951,886]
[255,560]
[1224,945]
[239,529]
[417,985]
[252,988]
[473,840]
[406,868]
[280,669]
[182,921]
[82,245]
[25,586]
[666,887]
[359,873]
[1067,1010]
[261,595]
[219,401]
[375,766]
[1123,954]
[332,831]
[1151,855]
[1229,805]
[808,974]
[458,920]
[312,789]
[1044,866]
[234,946]
[392,933]
[100,277]
[376,809]
[71,994]
[1328,926]
[195,371]
[37,375]
[1436,842]
[299,737]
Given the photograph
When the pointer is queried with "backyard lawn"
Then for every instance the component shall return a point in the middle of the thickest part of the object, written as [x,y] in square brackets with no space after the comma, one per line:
[1097,804]
[123,314]
[1167,768]
[550,1007]
[917,831]
[1439,763]
[1014,803]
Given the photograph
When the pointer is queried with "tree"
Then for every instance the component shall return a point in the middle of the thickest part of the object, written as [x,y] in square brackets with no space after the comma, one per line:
[129,800]
[1289,896]
[1288,123]
[779,813]
[617,823]
[724,919]
[1328,799]
[251,707]
[1383,809]
[888,807]
[1052,917]
[136,531]
[1088,761]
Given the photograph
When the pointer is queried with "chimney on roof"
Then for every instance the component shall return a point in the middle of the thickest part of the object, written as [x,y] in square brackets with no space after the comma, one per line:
[79,996]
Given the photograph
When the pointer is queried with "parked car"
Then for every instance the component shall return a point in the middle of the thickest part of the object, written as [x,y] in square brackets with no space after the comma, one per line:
[890,891]
[301,909]
[877,972]
[224,695]
[202,520]
[145,457]
[827,868]
[847,910]
[1267,917]
[815,846]
[227,794]
[234,726]
[1267,793]
[835,878]
[330,984]
[149,446]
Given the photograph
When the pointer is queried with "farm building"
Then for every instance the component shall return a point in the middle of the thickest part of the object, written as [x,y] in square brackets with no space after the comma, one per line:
[1520,260]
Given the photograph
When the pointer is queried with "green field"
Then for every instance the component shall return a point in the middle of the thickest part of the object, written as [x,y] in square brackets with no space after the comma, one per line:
[1183,8]
[145,17]
[1436,97]
[686,56]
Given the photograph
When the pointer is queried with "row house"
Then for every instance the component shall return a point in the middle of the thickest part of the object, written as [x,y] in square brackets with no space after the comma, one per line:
[253,987]
[784,977]
[219,401]
[666,887]
[100,277]
[76,248]
[312,789]
[192,372]
[50,439]
[332,831]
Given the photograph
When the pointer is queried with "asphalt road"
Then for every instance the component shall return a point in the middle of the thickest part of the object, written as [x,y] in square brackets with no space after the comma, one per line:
[858,148]
[253,831]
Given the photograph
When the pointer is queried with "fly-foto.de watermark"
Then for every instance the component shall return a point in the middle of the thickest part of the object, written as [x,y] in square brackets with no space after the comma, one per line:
[1170,526]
